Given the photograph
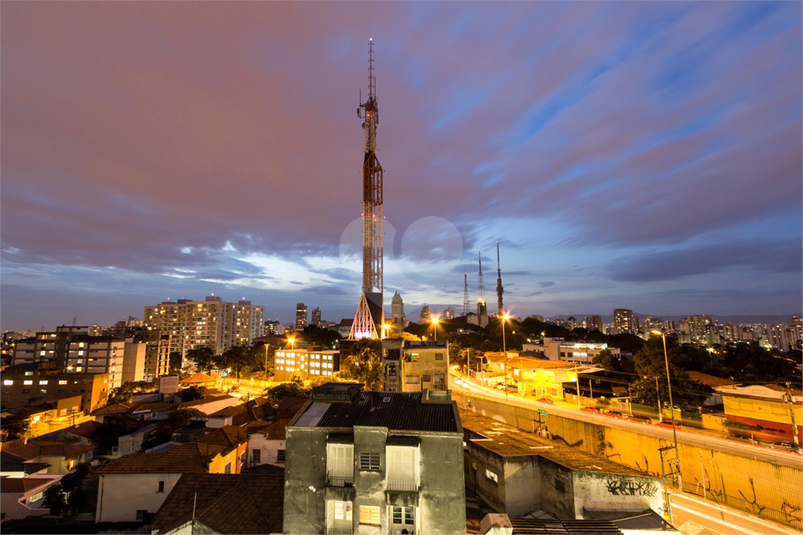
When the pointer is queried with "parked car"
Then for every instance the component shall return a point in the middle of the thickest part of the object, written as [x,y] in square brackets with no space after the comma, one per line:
[546,400]
[639,419]
[589,409]
[512,388]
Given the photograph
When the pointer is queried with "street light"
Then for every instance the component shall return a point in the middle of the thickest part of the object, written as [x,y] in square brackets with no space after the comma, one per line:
[435,327]
[385,329]
[504,352]
[671,405]
[292,342]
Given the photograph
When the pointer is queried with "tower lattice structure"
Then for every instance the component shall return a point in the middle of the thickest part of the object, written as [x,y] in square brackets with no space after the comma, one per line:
[466,302]
[482,308]
[369,320]
[499,289]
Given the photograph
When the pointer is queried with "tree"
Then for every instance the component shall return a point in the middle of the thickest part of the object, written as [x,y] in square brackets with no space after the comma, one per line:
[174,360]
[364,363]
[15,425]
[67,491]
[285,390]
[114,426]
[606,360]
[650,364]
[202,357]
[316,336]
[55,500]
[192,393]
[123,393]
[239,358]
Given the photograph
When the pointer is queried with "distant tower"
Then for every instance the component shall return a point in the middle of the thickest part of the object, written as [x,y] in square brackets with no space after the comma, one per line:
[397,314]
[466,302]
[482,308]
[370,312]
[499,289]
[316,317]
[301,316]
[426,315]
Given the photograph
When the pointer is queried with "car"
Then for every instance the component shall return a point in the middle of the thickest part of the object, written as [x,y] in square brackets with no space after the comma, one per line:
[589,409]
[512,388]
[546,400]
[499,386]
[639,419]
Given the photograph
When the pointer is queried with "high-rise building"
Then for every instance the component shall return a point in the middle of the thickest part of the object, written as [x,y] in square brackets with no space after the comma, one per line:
[316,317]
[301,316]
[796,332]
[448,314]
[593,323]
[571,323]
[211,323]
[426,315]
[397,314]
[624,321]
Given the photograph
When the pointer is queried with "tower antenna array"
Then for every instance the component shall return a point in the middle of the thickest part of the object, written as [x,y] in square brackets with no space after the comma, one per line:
[466,302]
[369,319]
[499,289]
[482,309]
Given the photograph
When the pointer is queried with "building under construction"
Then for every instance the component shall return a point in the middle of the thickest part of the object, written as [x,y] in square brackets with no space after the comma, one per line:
[369,320]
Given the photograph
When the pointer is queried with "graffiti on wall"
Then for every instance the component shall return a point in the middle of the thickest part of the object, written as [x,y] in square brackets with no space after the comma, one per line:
[631,488]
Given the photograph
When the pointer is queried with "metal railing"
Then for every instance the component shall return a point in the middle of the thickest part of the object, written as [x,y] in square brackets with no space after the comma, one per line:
[339,481]
[404,485]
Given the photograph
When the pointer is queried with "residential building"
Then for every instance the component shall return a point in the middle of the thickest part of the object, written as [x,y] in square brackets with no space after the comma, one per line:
[396,314]
[540,378]
[133,487]
[304,363]
[61,456]
[27,384]
[25,496]
[301,316]
[149,411]
[14,466]
[554,348]
[448,314]
[412,366]
[571,323]
[777,337]
[624,322]
[222,503]
[593,323]
[344,327]
[389,462]
[211,323]
[425,316]
[769,409]
[211,403]
[520,473]
[316,317]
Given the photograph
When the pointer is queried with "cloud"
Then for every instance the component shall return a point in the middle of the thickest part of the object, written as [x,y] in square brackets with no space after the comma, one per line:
[546,284]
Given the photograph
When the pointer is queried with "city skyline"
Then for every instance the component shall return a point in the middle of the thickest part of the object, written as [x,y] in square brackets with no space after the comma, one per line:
[625,155]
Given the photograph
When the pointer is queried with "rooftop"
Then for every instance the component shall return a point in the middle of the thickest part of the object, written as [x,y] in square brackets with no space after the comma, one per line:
[508,441]
[198,378]
[710,380]
[21,485]
[184,459]
[224,502]
[403,411]
[34,449]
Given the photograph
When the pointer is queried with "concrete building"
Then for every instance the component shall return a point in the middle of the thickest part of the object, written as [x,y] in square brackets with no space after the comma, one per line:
[374,463]
[426,315]
[555,348]
[26,384]
[624,322]
[211,323]
[411,366]
[25,496]
[304,363]
[768,409]
[316,317]
[396,314]
[519,473]
[448,314]
[593,323]
[301,316]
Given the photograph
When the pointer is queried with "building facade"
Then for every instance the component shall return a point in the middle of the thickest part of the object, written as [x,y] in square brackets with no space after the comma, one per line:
[624,322]
[23,385]
[305,364]
[301,316]
[410,366]
[385,463]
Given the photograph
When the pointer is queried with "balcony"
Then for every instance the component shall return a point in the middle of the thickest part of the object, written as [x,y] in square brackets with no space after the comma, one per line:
[339,480]
[338,531]
[402,485]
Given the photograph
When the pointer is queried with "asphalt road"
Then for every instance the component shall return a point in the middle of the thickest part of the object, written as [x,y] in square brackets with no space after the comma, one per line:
[470,387]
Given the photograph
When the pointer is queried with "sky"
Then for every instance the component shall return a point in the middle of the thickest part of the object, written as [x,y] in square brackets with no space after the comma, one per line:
[641,155]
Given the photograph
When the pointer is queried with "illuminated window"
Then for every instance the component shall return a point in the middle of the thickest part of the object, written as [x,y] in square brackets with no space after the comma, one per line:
[369,514]
[492,476]
[44,382]
[8,382]
[27,382]
[342,510]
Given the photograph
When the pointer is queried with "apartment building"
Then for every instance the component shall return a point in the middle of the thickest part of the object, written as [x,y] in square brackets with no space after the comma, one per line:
[26,384]
[374,463]
[304,363]
[411,366]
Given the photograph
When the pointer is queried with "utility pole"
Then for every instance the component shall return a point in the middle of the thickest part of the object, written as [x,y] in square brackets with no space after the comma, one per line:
[668,509]
[790,401]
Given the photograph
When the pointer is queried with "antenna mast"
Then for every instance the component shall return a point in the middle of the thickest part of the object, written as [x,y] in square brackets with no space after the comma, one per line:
[482,309]
[466,302]
[499,289]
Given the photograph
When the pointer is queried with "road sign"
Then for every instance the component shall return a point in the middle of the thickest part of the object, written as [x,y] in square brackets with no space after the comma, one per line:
[542,412]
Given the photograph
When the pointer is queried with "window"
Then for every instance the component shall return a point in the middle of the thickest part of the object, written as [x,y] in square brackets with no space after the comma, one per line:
[161,486]
[8,382]
[492,476]
[369,514]
[62,382]
[411,379]
[141,514]
[426,378]
[559,486]
[340,461]
[369,461]
[404,516]
[256,456]
[391,370]
[438,356]
[27,382]
[227,469]
[280,456]
[343,511]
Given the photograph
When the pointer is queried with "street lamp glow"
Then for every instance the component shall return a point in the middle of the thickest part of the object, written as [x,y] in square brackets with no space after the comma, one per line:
[435,327]
[292,342]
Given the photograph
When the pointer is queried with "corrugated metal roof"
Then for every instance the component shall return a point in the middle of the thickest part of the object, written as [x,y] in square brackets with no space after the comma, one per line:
[405,412]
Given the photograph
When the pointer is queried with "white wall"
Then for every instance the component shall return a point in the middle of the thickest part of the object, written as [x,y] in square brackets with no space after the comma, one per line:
[269,449]
[120,496]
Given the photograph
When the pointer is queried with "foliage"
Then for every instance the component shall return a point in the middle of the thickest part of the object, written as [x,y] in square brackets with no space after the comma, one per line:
[174,361]
[316,336]
[285,390]
[164,429]
[192,393]
[114,426]
[259,355]
[203,358]
[123,393]
[650,364]
[15,425]
[240,358]
[67,491]
[364,363]
[753,363]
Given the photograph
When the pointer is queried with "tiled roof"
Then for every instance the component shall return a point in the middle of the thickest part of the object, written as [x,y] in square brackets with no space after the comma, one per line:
[152,406]
[117,408]
[14,463]
[227,437]
[527,526]
[199,377]
[227,503]
[129,408]
[184,459]
[21,485]
[254,409]
[274,430]
[34,449]
[394,410]
[710,380]
[203,401]
[530,362]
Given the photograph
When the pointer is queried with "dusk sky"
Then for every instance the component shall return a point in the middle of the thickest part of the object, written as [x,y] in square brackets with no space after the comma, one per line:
[642,155]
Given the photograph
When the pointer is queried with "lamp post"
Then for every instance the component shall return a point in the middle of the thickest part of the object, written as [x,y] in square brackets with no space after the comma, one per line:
[504,346]
[671,405]
[435,328]
[292,342]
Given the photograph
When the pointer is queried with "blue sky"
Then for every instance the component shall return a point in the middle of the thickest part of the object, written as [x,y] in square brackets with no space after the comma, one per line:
[634,154]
